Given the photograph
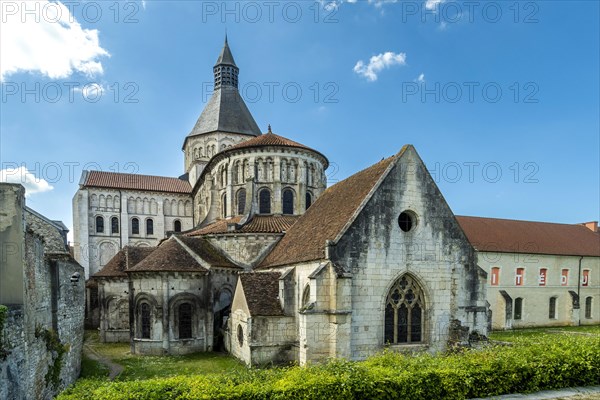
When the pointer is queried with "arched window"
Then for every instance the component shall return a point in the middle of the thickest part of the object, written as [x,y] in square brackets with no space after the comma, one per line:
[149,226]
[224,206]
[185,321]
[145,320]
[241,201]
[177,225]
[99,224]
[518,311]
[306,296]
[264,202]
[288,202]
[308,200]
[404,312]
[114,225]
[135,226]
[588,307]
[552,308]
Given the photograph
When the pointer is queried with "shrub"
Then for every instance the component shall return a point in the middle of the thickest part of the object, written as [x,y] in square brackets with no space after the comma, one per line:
[531,364]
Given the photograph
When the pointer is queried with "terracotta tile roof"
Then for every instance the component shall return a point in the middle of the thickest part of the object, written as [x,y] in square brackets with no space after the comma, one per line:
[325,219]
[258,224]
[127,257]
[512,236]
[271,139]
[169,256]
[262,293]
[116,180]
[207,251]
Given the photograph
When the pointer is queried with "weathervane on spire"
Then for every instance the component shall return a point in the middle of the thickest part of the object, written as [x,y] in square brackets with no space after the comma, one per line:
[270,128]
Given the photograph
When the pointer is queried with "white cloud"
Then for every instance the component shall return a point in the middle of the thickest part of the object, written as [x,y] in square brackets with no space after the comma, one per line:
[329,5]
[26,178]
[49,40]
[433,4]
[421,78]
[378,63]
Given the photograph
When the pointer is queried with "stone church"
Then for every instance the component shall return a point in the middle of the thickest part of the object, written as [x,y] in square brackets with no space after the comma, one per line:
[251,252]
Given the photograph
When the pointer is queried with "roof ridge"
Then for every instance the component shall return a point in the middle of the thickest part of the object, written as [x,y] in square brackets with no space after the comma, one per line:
[580,224]
[192,253]
[132,174]
[368,196]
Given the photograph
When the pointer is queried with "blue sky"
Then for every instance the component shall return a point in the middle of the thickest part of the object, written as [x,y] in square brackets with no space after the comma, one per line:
[500,99]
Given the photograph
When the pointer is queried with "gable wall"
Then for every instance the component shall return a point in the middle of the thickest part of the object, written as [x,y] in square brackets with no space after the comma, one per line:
[376,251]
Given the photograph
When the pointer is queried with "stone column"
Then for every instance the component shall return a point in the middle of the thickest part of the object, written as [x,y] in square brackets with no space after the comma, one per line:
[165,314]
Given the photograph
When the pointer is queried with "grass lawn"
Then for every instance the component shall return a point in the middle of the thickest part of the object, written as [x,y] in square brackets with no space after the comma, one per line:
[138,367]
[511,335]
[92,368]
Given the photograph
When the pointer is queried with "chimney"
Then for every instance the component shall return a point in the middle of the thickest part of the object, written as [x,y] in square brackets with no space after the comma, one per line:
[593,225]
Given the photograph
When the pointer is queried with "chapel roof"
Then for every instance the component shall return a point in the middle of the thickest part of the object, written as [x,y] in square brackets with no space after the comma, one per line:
[514,236]
[262,293]
[169,256]
[183,254]
[206,251]
[116,180]
[126,258]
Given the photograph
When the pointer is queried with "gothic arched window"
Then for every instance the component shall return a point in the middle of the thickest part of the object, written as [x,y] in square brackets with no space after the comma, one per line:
[404,312]
[114,225]
[149,226]
[135,226]
[99,224]
[241,201]
[145,320]
[264,202]
[185,321]
[288,201]
[177,225]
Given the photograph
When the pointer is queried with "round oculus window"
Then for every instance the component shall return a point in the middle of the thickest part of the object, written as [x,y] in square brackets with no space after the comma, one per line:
[407,220]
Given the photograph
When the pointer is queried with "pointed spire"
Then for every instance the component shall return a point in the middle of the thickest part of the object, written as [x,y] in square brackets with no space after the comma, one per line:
[225,71]
[225,58]
[270,129]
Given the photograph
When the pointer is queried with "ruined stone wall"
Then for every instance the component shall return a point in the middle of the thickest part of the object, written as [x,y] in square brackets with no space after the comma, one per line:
[44,336]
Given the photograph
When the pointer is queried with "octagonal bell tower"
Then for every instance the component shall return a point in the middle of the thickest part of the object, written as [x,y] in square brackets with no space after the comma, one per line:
[224,122]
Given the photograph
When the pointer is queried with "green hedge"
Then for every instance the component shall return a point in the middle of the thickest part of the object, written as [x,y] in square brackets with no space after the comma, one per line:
[531,364]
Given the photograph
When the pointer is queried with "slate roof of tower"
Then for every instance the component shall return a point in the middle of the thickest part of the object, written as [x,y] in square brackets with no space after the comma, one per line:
[258,224]
[115,180]
[128,256]
[513,236]
[226,112]
[169,256]
[226,57]
[262,293]
[325,219]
